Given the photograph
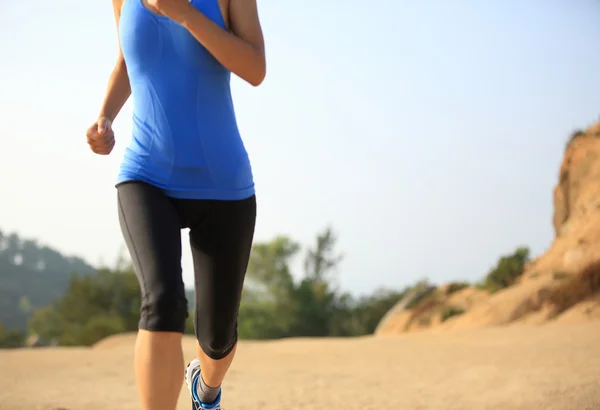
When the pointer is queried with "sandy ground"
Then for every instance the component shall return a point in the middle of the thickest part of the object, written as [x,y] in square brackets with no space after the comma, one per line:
[550,367]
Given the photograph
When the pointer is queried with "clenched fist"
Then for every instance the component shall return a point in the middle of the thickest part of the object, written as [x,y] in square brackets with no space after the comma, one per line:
[100,136]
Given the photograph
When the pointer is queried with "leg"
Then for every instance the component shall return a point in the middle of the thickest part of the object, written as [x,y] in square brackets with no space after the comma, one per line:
[151,229]
[220,248]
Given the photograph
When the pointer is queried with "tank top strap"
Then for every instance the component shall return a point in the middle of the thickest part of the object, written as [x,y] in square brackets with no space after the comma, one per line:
[212,10]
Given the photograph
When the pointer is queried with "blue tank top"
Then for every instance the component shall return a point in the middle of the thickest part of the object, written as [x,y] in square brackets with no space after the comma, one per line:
[185,136]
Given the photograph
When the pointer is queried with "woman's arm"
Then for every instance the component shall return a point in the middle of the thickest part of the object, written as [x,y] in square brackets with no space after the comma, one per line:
[118,89]
[242,51]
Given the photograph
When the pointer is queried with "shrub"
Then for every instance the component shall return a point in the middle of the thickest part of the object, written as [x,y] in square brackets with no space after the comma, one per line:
[456,286]
[559,275]
[507,270]
[576,289]
[422,312]
[99,327]
[11,338]
[481,286]
[422,290]
[450,311]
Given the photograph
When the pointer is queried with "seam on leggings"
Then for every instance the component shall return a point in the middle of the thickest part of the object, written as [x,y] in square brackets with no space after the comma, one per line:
[135,252]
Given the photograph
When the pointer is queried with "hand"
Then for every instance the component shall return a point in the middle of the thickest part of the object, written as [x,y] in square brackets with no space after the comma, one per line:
[100,136]
[176,10]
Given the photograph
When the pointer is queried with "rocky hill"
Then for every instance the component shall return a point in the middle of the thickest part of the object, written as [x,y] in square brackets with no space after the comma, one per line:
[562,284]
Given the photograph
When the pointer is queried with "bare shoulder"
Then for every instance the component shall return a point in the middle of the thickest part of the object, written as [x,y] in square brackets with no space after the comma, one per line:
[245,23]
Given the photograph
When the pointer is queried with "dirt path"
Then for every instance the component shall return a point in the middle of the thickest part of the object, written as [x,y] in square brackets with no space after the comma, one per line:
[554,367]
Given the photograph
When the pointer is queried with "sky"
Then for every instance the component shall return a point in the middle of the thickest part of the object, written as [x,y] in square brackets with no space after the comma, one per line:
[428,134]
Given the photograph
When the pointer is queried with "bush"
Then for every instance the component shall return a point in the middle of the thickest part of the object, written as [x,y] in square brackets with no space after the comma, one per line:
[456,286]
[422,311]
[559,275]
[361,316]
[99,327]
[580,287]
[11,338]
[450,311]
[92,308]
[422,290]
[506,272]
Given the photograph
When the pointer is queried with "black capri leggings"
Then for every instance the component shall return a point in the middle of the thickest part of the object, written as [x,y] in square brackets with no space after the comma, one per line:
[221,234]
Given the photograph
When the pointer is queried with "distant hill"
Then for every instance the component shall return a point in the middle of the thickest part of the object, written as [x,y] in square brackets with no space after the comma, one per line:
[32,276]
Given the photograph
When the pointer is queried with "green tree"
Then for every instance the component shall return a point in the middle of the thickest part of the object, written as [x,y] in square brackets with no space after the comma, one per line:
[266,308]
[99,327]
[315,298]
[322,260]
[11,338]
[370,309]
[93,307]
[274,305]
[48,324]
[269,274]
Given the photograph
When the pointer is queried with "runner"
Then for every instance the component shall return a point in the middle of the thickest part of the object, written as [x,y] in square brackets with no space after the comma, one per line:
[186,167]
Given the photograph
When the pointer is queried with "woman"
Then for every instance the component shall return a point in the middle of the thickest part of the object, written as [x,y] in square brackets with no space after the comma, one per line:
[186,167]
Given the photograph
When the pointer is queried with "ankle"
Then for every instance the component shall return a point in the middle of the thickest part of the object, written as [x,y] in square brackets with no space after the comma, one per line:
[207,394]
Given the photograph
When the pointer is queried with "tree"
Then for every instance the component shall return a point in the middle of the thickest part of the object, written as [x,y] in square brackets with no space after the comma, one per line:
[314,297]
[92,308]
[265,311]
[322,259]
[273,306]
[11,338]
[269,272]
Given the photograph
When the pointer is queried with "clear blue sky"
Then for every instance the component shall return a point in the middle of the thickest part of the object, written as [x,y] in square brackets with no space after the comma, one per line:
[429,133]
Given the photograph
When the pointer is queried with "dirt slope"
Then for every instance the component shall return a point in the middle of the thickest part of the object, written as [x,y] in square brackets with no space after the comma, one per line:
[576,244]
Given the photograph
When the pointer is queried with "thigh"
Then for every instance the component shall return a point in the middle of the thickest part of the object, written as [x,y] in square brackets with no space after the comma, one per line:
[221,246]
[152,232]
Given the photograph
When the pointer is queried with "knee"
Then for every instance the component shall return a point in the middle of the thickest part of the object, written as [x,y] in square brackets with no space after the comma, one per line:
[164,311]
[217,341]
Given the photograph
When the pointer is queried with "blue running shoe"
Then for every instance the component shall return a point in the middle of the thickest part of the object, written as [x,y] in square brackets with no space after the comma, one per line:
[192,376]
